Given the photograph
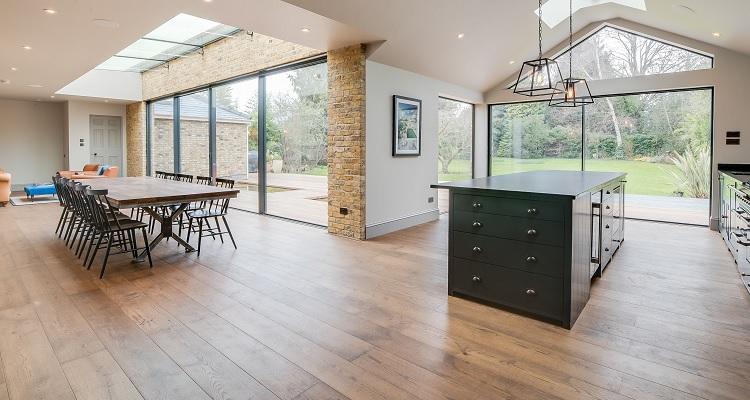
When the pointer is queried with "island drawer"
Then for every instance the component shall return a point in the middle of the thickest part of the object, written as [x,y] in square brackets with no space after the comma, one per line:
[537,294]
[506,227]
[531,257]
[533,209]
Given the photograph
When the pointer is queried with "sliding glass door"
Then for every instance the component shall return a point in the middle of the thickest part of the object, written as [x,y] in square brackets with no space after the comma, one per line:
[296,144]
[662,140]
[220,131]
[237,139]
[455,145]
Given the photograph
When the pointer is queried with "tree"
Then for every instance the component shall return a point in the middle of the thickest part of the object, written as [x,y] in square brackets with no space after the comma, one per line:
[454,132]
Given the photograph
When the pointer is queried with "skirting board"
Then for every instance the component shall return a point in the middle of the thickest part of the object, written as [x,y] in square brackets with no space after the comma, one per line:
[400,223]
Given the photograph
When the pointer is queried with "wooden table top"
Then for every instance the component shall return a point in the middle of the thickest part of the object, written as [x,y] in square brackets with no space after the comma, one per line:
[131,192]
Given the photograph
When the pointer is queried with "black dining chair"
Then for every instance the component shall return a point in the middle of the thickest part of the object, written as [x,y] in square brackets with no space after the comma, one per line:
[213,209]
[183,178]
[112,231]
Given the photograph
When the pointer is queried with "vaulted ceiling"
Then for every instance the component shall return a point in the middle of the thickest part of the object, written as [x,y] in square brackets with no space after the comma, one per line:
[422,35]
[417,35]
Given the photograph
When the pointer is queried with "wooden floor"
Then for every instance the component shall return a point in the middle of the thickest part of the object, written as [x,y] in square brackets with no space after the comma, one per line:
[299,314]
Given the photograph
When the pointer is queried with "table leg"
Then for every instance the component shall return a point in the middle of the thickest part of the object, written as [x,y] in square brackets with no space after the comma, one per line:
[166,228]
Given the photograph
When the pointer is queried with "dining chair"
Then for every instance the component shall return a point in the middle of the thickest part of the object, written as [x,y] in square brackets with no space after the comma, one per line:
[118,233]
[213,209]
[183,178]
[160,174]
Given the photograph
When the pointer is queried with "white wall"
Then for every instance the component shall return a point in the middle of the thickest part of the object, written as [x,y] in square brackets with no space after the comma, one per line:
[78,115]
[106,84]
[31,140]
[397,188]
[729,78]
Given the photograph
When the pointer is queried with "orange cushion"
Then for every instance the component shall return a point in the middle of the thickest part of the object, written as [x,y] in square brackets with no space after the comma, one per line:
[90,167]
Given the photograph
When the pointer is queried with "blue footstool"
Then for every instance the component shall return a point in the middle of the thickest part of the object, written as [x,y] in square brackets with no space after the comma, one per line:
[39,190]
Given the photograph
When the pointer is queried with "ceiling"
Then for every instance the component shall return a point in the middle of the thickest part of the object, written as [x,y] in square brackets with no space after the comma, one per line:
[67,44]
[422,35]
[417,35]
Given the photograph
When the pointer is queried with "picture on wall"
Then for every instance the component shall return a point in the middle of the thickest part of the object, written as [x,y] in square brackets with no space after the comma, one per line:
[407,126]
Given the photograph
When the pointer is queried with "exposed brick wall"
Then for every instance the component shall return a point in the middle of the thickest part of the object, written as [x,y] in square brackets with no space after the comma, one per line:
[135,117]
[346,141]
[227,58]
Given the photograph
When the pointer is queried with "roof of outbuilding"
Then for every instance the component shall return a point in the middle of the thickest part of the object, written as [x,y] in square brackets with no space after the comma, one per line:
[196,107]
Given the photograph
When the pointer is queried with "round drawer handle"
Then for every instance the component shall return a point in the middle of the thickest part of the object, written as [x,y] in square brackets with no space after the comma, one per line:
[531,211]
[476,279]
[531,292]
[476,224]
[477,249]
[606,249]
[606,226]
[607,207]
[531,232]
[530,259]
[476,204]
[608,192]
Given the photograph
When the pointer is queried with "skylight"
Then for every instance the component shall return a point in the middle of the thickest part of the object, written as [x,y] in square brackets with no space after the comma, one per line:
[175,38]
[556,11]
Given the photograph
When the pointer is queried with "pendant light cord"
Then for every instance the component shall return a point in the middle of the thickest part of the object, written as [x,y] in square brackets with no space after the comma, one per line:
[570,43]
[540,29]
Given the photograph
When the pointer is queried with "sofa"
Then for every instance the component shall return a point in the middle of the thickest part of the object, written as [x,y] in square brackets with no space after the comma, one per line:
[104,172]
[5,179]
[88,169]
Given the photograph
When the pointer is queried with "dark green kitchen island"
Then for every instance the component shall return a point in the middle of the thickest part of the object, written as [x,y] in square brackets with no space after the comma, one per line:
[530,242]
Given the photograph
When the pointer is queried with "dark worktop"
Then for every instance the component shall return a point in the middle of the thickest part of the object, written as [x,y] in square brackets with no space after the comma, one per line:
[560,183]
[741,172]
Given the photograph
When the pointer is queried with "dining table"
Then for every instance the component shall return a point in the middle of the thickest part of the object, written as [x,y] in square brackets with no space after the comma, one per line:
[164,200]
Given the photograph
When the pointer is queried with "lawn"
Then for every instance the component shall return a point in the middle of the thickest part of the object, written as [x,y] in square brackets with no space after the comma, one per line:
[643,177]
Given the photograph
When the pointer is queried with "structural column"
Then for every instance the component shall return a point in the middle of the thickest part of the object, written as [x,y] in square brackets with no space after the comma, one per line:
[135,137]
[346,142]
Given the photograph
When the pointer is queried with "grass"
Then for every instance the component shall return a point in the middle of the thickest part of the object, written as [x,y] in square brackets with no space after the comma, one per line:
[643,177]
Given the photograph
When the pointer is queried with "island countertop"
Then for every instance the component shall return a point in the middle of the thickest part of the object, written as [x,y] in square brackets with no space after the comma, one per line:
[560,183]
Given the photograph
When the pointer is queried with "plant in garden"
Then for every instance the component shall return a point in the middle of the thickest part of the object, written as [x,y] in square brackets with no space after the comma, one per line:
[692,174]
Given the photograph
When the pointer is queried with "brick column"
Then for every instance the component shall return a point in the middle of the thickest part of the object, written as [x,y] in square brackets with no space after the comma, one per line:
[135,137]
[346,142]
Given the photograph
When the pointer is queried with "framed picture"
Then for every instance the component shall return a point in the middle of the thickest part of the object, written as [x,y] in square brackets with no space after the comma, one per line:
[407,126]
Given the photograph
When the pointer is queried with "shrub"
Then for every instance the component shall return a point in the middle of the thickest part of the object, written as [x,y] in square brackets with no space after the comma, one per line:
[693,174]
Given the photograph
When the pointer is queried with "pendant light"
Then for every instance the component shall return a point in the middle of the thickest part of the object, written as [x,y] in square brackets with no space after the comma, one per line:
[571,92]
[538,77]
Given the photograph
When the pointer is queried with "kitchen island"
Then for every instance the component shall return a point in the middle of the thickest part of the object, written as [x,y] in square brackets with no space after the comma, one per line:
[530,242]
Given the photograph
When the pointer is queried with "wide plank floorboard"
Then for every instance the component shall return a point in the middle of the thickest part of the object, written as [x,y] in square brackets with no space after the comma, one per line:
[298,314]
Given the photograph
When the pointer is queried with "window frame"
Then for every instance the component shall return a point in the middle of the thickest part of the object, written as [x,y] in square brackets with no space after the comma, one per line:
[473,130]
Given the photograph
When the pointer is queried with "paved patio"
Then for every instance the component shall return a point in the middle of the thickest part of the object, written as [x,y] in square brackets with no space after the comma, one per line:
[299,197]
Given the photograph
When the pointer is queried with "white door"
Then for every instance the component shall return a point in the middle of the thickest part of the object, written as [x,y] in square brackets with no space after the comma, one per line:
[106,140]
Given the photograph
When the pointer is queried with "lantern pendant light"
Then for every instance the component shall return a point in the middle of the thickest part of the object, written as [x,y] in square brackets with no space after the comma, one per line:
[538,77]
[572,92]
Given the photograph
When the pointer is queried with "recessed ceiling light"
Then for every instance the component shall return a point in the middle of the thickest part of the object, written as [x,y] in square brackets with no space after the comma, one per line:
[717,34]
[306,30]
[35,85]
[52,97]
[13,69]
[105,23]
[511,62]
[460,35]
[106,101]
[27,47]
[207,1]
[49,11]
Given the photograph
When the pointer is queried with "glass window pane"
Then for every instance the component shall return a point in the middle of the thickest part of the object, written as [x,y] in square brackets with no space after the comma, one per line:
[127,64]
[534,136]
[296,142]
[455,136]
[614,53]
[237,139]
[156,50]
[162,136]
[194,136]
[662,140]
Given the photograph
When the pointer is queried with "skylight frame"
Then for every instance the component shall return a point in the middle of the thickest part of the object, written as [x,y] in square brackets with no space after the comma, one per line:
[554,14]
[214,32]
